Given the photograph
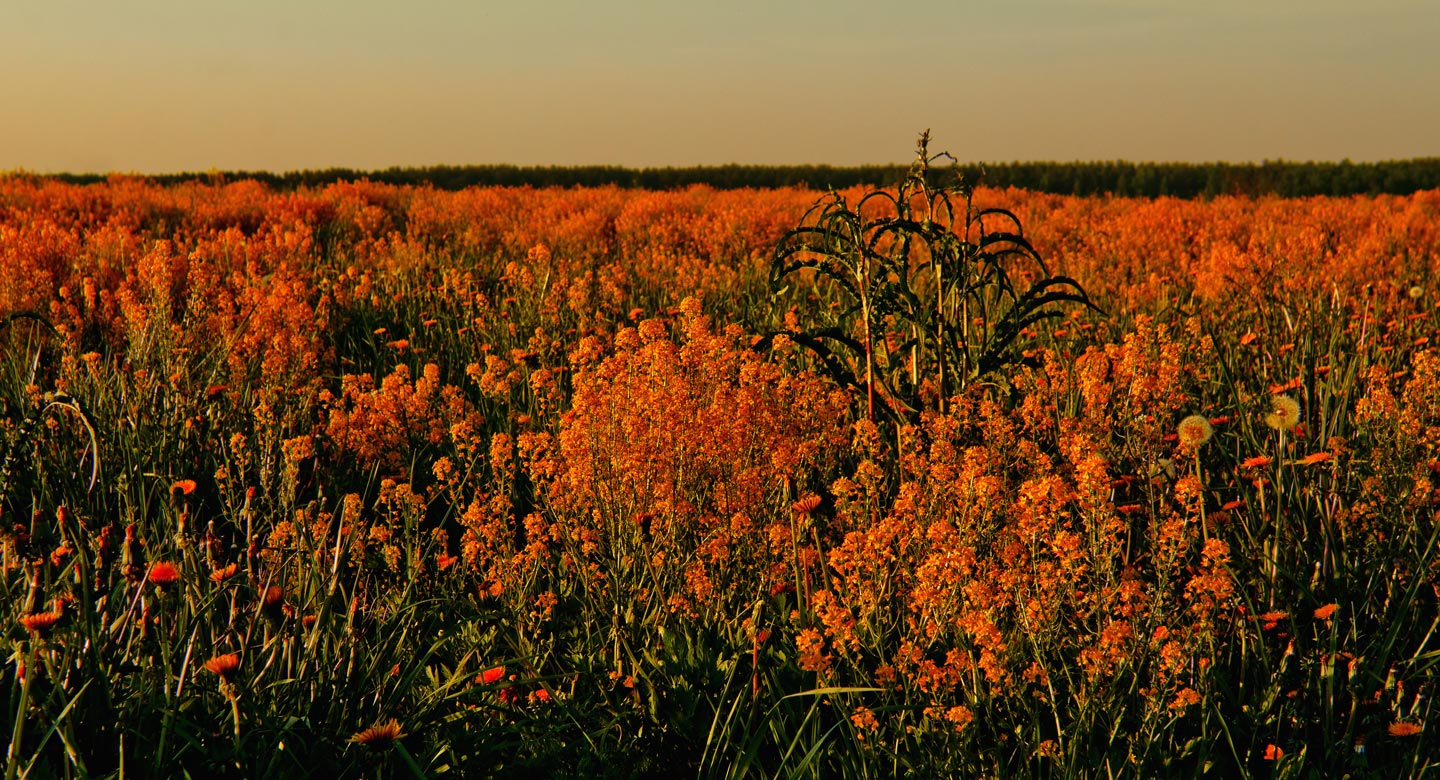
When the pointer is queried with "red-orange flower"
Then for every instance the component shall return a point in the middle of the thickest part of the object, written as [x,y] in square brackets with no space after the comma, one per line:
[1272,619]
[163,573]
[1324,613]
[1257,462]
[40,623]
[274,601]
[224,573]
[807,504]
[1309,460]
[186,486]
[379,735]
[224,665]
[1273,753]
[1402,728]
[492,676]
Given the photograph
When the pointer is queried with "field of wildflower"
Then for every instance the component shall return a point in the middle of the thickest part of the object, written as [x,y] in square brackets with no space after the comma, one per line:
[373,480]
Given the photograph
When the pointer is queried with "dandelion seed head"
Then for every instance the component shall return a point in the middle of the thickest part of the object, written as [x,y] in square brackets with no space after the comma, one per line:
[1284,413]
[1194,431]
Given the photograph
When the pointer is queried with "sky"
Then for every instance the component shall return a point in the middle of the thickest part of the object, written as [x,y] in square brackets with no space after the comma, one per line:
[158,86]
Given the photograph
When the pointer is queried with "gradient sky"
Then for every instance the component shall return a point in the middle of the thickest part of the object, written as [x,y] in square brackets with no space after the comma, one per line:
[156,86]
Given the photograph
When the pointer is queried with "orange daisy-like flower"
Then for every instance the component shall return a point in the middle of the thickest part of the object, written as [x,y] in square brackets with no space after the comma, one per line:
[224,665]
[163,573]
[1257,462]
[1272,619]
[1273,753]
[186,486]
[224,572]
[40,623]
[1324,613]
[379,735]
[274,601]
[807,505]
[1402,728]
[1310,460]
[492,676]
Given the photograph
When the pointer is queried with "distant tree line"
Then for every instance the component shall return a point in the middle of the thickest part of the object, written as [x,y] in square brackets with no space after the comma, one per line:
[1182,180]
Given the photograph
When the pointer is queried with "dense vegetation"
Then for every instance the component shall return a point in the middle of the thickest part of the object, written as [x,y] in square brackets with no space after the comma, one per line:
[1125,179]
[517,482]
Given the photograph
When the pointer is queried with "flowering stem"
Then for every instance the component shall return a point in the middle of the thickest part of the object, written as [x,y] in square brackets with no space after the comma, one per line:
[235,716]
[1200,477]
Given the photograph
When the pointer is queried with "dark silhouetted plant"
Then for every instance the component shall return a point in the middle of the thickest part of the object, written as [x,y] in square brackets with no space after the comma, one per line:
[934,290]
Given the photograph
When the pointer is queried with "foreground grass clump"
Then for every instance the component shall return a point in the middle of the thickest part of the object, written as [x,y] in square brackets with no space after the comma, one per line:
[515,483]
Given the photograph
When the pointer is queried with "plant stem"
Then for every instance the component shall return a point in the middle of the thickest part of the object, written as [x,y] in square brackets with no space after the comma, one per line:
[12,758]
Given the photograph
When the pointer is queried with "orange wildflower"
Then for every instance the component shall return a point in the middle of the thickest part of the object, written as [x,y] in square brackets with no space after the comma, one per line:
[379,735]
[273,602]
[224,665]
[163,573]
[492,675]
[806,505]
[40,623]
[1324,613]
[1272,619]
[185,486]
[1273,753]
[224,573]
[1312,459]
[1402,728]
[1257,462]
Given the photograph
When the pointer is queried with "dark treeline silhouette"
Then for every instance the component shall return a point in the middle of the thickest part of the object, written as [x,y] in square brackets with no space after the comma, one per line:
[1182,180]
